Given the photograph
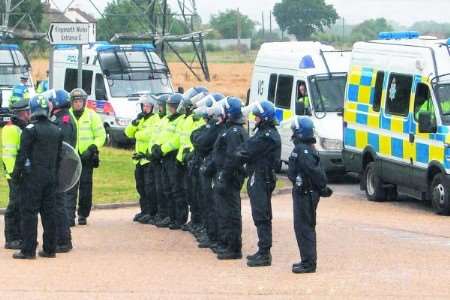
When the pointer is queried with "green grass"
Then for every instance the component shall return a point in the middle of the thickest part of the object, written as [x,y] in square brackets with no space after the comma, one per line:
[226,56]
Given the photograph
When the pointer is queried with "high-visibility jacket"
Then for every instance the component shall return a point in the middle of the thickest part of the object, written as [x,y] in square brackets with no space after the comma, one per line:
[90,130]
[43,87]
[156,132]
[170,136]
[188,126]
[142,133]
[10,147]
[21,91]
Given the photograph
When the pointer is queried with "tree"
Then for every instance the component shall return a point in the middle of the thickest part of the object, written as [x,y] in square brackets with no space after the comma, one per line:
[33,8]
[302,18]
[370,29]
[226,23]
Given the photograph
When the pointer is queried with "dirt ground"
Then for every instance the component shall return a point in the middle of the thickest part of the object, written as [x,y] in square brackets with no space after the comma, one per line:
[366,250]
[229,79]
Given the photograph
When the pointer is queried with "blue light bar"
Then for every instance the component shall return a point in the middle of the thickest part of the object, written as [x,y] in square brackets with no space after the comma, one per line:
[448,42]
[148,47]
[64,47]
[108,48]
[9,47]
[398,35]
[307,62]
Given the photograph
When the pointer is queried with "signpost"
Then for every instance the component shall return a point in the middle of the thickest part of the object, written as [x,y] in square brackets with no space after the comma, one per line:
[78,34]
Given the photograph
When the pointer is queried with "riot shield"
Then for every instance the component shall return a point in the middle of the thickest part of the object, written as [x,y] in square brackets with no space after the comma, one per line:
[69,171]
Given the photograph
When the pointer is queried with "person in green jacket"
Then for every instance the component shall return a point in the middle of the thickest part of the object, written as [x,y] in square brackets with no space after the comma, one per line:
[11,133]
[167,150]
[140,130]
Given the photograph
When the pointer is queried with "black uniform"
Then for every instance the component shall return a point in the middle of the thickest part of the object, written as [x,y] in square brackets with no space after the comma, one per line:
[203,140]
[12,213]
[36,166]
[262,154]
[64,201]
[308,179]
[227,188]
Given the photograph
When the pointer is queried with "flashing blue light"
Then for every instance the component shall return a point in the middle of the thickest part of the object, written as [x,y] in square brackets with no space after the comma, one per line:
[307,62]
[9,47]
[144,47]
[399,35]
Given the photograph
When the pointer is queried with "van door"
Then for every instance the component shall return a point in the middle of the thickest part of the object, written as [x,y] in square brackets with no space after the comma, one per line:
[396,121]
[424,148]
[283,103]
[71,80]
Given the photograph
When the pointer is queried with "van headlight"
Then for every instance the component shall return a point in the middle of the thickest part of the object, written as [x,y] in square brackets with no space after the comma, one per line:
[123,121]
[330,144]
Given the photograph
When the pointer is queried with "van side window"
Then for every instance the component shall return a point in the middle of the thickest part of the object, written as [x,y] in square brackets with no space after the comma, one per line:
[100,90]
[422,101]
[284,91]
[71,79]
[398,94]
[378,91]
[272,87]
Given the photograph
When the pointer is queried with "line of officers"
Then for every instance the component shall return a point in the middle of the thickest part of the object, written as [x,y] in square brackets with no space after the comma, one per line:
[192,156]
[31,154]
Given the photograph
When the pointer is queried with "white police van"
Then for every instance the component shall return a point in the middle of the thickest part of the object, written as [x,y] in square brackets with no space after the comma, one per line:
[281,68]
[112,76]
[13,65]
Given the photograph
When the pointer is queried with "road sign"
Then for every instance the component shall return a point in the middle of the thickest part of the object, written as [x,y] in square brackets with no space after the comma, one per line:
[72,33]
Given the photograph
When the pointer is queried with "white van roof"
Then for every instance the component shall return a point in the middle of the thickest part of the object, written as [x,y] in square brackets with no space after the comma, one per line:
[422,55]
[293,55]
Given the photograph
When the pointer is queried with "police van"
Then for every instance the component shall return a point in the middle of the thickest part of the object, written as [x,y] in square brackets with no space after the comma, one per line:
[397,117]
[112,77]
[13,65]
[304,78]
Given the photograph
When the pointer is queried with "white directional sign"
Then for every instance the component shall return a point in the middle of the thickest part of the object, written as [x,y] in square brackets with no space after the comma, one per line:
[72,33]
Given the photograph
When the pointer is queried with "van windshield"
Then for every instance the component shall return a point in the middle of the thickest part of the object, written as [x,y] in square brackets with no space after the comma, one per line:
[327,92]
[13,64]
[126,87]
[443,97]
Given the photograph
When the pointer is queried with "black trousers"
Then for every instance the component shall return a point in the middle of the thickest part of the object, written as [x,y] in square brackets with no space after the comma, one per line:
[193,193]
[12,214]
[209,206]
[84,191]
[174,190]
[161,182]
[145,186]
[39,197]
[63,233]
[227,192]
[305,205]
[260,191]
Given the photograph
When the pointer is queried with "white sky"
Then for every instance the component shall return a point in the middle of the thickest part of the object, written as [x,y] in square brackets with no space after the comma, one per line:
[404,12]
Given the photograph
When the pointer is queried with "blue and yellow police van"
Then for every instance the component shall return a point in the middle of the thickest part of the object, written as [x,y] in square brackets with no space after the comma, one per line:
[397,118]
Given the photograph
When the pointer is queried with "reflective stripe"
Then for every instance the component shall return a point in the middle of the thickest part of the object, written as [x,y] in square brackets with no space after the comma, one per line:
[10,146]
[8,156]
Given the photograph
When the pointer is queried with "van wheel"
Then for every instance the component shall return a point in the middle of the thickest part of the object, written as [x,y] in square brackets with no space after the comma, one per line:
[440,195]
[374,185]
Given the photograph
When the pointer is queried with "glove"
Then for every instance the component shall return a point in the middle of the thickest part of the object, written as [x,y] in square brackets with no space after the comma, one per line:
[220,185]
[326,192]
[17,175]
[138,156]
[135,122]
[156,152]
[187,156]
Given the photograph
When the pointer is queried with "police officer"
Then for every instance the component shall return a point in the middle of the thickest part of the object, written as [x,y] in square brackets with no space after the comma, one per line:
[229,181]
[173,173]
[36,167]
[10,146]
[203,140]
[20,91]
[43,85]
[90,137]
[162,218]
[262,154]
[139,129]
[309,183]
[62,117]
[185,155]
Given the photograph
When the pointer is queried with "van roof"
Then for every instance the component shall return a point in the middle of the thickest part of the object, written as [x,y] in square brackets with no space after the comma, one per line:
[297,56]
[423,55]
[9,47]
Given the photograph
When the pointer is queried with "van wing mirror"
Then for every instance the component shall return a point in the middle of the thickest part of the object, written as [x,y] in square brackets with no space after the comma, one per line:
[427,122]
[181,90]
[100,94]
[299,108]
[247,100]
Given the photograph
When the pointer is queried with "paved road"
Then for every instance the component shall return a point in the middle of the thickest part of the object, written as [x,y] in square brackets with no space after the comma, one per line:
[376,250]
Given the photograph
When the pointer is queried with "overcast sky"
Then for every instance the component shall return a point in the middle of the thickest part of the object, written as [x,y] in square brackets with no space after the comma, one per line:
[405,12]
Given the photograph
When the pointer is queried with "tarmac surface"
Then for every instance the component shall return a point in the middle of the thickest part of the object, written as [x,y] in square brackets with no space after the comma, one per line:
[366,250]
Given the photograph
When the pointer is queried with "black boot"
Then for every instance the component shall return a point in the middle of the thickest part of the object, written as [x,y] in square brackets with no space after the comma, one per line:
[137,216]
[20,255]
[229,254]
[263,259]
[13,245]
[64,248]
[174,226]
[144,219]
[44,254]
[301,269]
[187,226]
[164,223]
[82,220]
[253,256]
[204,243]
